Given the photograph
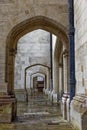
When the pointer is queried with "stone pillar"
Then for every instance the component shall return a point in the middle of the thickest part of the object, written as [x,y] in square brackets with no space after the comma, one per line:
[10,65]
[31,82]
[65,97]
[8,105]
[60,80]
[65,71]
[31,86]
[55,80]
[47,82]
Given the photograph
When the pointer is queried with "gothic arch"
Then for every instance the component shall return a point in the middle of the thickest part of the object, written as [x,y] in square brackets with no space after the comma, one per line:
[38,74]
[37,65]
[38,22]
[34,65]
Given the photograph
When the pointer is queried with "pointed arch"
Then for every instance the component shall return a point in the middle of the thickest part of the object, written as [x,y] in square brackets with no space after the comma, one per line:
[38,22]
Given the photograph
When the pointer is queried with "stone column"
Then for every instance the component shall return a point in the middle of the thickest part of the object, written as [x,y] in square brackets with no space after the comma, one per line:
[47,82]
[65,97]
[8,103]
[11,63]
[60,80]
[65,71]
[55,80]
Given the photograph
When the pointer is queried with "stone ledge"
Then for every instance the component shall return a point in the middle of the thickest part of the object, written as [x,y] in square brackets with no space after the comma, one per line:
[79,103]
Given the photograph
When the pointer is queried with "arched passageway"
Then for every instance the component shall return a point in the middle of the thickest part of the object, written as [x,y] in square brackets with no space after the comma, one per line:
[25,27]
[28,72]
[42,69]
[59,54]
[38,83]
[37,75]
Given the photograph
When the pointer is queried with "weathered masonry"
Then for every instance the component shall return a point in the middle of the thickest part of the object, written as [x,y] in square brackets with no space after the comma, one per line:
[43,47]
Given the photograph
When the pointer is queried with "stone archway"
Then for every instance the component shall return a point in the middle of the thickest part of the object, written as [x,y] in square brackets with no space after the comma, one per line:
[38,75]
[34,65]
[18,31]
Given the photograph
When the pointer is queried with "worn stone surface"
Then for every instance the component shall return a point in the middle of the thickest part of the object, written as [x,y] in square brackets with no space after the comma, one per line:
[81,45]
[50,15]
[6,113]
[77,107]
[13,12]
[79,112]
[8,108]
[38,115]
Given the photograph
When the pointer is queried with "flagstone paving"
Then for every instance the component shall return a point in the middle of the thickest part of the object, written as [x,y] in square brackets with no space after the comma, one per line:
[38,114]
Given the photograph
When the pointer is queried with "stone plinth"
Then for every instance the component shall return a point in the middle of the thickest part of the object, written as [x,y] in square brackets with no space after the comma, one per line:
[79,112]
[65,106]
[6,112]
[8,108]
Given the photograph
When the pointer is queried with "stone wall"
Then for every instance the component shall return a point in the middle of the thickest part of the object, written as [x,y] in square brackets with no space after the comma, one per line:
[13,12]
[80,7]
[78,111]
[32,49]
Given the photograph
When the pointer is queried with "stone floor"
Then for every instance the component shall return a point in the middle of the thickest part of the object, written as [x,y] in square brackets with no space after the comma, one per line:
[38,114]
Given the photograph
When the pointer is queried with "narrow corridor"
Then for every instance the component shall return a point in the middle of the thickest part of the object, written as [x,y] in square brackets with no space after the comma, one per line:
[38,114]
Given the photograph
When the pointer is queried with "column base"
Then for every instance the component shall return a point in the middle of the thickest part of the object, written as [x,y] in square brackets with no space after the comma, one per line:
[8,108]
[78,112]
[65,107]
[8,105]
